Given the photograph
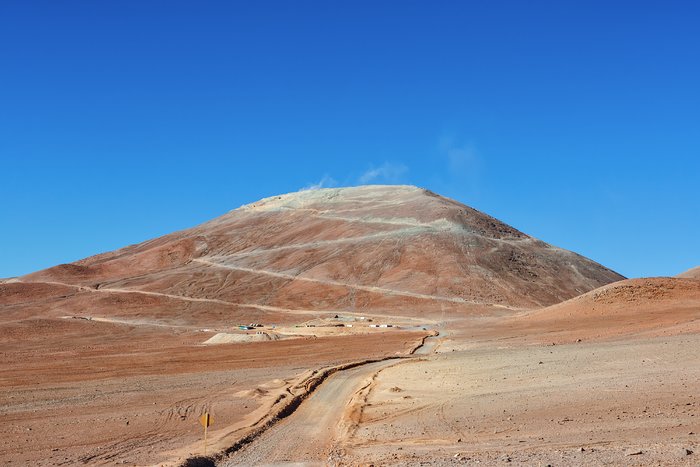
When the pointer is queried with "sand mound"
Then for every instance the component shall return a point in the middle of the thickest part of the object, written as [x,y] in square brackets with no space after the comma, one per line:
[656,306]
[692,273]
[229,338]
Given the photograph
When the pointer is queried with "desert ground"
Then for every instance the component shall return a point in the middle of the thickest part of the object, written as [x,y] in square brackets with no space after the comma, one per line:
[372,325]
[523,390]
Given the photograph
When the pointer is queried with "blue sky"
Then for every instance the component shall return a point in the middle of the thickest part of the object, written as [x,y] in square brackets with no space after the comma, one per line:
[576,122]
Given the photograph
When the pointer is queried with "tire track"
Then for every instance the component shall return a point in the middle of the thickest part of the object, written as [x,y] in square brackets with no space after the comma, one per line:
[299,311]
[309,435]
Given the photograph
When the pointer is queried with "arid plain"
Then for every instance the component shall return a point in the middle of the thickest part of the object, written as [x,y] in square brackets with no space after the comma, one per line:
[370,325]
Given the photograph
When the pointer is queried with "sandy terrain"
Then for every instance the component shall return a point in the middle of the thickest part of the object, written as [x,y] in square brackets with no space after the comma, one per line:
[135,402]
[111,360]
[692,273]
[625,309]
[577,404]
[310,434]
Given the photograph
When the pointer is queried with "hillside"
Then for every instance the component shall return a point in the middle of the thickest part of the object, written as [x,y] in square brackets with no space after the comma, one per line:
[650,306]
[371,248]
[692,273]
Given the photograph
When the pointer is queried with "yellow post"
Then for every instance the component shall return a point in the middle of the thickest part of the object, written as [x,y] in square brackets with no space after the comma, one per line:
[205,420]
[206,428]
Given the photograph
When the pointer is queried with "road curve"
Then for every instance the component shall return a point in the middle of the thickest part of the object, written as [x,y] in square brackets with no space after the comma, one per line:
[307,435]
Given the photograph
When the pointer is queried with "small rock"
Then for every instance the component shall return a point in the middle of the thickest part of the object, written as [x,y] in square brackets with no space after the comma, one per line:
[540,363]
[581,450]
[633,452]
[682,452]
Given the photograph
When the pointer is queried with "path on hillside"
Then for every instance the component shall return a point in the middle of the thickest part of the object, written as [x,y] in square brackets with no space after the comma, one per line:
[366,288]
[209,262]
[414,229]
[82,288]
[298,311]
[309,433]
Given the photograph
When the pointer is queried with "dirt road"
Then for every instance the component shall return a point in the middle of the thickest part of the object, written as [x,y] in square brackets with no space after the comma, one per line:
[308,435]
[366,288]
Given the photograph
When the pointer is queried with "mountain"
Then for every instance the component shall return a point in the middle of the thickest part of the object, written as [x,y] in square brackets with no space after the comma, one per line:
[650,306]
[372,248]
[692,273]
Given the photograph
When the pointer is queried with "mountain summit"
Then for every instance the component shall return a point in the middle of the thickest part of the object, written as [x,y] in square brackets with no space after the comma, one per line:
[360,248]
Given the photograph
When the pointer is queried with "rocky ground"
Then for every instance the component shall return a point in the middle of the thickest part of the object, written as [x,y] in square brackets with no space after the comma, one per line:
[625,402]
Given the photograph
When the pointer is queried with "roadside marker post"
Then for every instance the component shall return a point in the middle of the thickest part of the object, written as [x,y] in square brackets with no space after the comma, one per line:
[206,420]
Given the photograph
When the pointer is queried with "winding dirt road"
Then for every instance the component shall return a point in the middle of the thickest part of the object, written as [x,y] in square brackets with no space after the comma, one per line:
[366,288]
[308,435]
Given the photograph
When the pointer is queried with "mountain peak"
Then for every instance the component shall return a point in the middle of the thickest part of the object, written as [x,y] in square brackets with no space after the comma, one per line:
[361,193]
[382,204]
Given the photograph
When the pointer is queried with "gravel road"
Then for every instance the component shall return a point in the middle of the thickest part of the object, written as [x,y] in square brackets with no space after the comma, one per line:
[307,435]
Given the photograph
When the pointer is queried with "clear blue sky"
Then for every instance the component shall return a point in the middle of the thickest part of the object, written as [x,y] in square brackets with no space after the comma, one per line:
[576,122]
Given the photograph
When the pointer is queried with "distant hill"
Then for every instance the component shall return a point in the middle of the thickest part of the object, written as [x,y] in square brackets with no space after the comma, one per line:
[655,306]
[693,273]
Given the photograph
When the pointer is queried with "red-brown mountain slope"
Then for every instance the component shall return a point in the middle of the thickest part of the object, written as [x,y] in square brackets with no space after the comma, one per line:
[649,306]
[363,248]
[692,273]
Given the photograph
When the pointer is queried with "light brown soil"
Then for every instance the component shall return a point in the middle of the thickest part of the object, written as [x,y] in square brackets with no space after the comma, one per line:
[630,308]
[576,404]
[494,390]
[693,273]
[79,390]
